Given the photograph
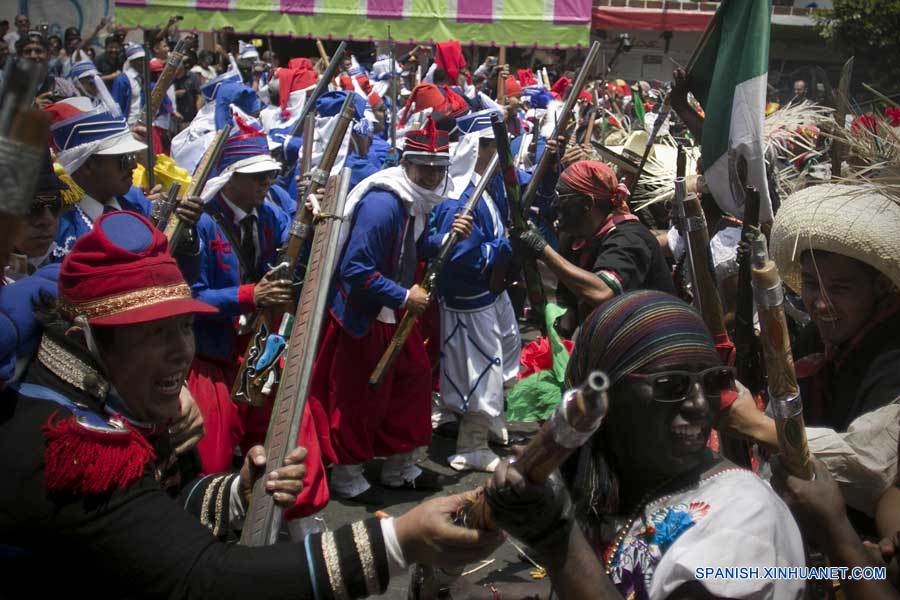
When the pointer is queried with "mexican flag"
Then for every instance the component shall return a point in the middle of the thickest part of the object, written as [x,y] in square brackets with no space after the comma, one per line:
[729,79]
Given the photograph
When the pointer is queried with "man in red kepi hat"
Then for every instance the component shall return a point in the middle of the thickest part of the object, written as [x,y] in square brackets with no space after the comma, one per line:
[606,251]
[85,440]
[386,216]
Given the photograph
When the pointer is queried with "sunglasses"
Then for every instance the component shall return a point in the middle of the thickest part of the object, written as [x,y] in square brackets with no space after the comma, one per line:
[263,177]
[674,386]
[42,201]
[127,162]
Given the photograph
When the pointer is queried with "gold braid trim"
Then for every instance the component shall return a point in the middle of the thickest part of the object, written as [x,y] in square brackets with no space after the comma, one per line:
[72,369]
[364,549]
[333,566]
[113,305]
[220,497]
[207,498]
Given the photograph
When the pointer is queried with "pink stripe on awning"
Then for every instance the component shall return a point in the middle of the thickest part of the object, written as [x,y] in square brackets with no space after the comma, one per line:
[384,9]
[571,11]
[475,11]
[298,7]
[212,5]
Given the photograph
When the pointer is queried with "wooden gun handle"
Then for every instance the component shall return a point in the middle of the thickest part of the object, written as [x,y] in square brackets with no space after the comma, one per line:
[393,350]
[574,422]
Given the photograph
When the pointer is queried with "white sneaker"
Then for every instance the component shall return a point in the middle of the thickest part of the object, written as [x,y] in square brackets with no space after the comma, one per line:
[477,460]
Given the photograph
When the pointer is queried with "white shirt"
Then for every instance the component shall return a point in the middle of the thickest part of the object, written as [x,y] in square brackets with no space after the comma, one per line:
[93,209]
[736,520]
[134,111]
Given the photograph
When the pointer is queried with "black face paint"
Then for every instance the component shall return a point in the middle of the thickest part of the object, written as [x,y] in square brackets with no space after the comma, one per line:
[571,210]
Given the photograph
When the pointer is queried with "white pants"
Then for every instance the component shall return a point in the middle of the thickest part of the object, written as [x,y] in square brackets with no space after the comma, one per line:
[479,353]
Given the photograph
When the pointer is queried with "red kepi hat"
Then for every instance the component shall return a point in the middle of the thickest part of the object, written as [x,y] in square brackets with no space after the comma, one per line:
[121,273]
[427,146]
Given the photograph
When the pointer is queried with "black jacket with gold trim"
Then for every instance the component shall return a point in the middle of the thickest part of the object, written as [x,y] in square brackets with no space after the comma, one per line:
[133,540]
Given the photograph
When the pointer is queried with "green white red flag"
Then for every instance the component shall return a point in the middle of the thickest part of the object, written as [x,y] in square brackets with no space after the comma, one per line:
[729,79]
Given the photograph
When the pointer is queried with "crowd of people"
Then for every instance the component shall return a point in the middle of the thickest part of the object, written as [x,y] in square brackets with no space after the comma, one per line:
[131,459]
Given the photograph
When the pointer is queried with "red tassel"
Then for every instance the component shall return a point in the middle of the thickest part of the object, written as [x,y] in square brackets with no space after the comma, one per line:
[79,459]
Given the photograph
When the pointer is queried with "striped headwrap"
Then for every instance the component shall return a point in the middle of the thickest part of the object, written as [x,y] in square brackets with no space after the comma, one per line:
[637,332]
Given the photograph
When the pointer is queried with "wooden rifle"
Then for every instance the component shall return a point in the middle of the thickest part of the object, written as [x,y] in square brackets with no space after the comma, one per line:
[176,228]
[576,419]
[784,392]
[23,137]
[429,281]
[321,87]
[322,53]
[263,520]
[533,283]
[706,293]
[540,170]
[255,381]
[748,352]
[167,76]
[501,82]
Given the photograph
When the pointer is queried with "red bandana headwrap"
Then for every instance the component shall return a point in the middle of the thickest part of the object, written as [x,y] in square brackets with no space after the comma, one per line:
[597,181]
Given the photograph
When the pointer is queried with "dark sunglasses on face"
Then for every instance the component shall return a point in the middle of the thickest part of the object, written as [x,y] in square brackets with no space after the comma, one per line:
[51,202]
[126,162]
[674,386]
[264,177]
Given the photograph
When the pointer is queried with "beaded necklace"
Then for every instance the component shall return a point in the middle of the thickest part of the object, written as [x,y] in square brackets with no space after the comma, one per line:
[614,548]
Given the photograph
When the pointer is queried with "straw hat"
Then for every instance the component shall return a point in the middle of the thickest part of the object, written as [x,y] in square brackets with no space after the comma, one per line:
[858,221]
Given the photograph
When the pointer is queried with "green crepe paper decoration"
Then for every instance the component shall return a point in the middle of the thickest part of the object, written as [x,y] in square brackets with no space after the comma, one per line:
[537,396]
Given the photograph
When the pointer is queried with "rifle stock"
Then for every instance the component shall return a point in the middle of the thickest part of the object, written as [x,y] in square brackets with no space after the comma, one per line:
[263,516]
[175,229]
[784,393]
[541,169]
[429,282]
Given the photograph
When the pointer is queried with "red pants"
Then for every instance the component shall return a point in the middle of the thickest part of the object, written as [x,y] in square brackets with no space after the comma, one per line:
[228,425]
[356,421]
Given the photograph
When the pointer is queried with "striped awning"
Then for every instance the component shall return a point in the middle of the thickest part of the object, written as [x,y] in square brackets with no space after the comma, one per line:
[514,23]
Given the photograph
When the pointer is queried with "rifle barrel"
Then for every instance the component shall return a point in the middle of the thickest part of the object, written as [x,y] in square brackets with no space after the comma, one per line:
[321,86]
[541,169]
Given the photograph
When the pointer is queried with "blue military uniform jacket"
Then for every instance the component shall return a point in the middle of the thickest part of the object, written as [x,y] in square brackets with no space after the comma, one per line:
[216,276]
[121,93]
[464,282]
[376,267]
[75,223]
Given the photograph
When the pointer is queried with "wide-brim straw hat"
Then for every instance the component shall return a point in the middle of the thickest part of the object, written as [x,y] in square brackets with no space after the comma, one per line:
[858,221]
